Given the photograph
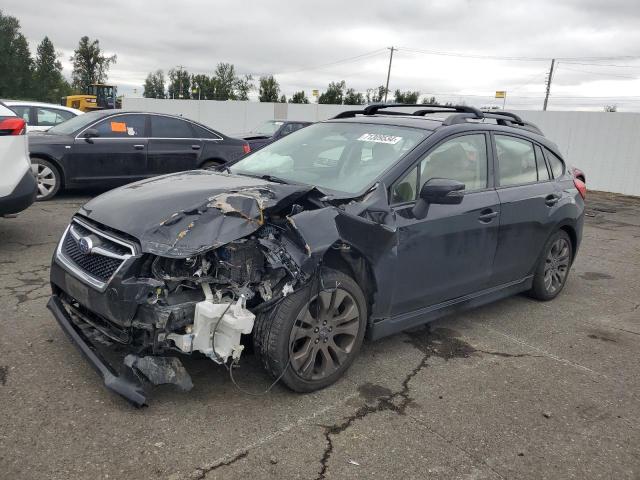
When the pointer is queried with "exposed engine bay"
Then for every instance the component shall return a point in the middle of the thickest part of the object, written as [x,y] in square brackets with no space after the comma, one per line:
[234,280]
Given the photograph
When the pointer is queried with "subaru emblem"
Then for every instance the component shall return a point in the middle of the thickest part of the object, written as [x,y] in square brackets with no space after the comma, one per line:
[85,245]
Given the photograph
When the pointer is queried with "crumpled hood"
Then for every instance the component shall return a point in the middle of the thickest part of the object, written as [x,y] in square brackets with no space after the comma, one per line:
[187,213]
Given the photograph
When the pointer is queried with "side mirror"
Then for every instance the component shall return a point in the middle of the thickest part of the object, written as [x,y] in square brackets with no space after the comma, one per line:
[441,191]
[90,133]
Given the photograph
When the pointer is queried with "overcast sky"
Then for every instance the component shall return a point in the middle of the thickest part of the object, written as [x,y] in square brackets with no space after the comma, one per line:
[597,42]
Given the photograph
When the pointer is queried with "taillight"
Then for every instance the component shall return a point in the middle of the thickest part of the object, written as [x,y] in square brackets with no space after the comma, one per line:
[246,148]
[580,185]
[12,126]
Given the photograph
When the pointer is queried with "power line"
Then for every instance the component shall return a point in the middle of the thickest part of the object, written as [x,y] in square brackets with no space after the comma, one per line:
[634,77]
[510,58]
[337,62]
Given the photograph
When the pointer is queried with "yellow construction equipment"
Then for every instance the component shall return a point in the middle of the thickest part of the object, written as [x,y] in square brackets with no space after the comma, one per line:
[98,97]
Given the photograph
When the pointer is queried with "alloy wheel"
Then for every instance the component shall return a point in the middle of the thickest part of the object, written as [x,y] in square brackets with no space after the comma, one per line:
[324,334]
[46,178]
[556,265]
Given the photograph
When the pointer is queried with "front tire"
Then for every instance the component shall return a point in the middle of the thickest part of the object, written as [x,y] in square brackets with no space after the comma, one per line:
[553,267]
[313,337]
[48,177]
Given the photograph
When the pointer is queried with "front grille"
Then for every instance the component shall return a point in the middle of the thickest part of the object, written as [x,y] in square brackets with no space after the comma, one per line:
[95,265]
[105,256]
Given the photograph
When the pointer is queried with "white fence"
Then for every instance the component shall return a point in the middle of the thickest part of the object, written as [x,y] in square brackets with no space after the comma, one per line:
[605,145]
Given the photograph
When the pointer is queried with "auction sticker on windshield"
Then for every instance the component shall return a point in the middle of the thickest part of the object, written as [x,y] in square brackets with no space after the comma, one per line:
[379,138]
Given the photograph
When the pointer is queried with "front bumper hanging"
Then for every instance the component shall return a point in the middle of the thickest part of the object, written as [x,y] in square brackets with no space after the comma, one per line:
[126,385]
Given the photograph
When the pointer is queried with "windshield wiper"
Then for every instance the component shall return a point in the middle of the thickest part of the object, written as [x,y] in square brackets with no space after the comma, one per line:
[269,178]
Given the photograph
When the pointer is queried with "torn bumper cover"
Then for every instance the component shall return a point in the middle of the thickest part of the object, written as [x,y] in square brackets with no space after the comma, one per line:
[125,385]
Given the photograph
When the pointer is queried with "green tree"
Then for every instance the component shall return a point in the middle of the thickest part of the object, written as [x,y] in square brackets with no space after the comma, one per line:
[376,95]
[200,85]
[90,64]
[154,85]
[16,64]
[299,97]
[406,97]
[351,97]
[334,94]
[243,86]
[283,98]
[429,101]
[179,83]
[49,84]
[269,89]
[224,82]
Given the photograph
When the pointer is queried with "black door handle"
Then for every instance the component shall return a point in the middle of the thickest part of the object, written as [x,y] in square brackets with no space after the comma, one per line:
[195,147]
[139,147]
[487,215]
[551,200]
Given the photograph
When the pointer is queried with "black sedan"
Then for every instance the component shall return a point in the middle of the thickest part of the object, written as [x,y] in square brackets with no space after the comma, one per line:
[270,131]
[108,149]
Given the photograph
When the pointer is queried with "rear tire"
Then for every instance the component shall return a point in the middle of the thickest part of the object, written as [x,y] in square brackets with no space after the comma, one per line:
[211,164]
[553,267]
[313,338]
[49,178]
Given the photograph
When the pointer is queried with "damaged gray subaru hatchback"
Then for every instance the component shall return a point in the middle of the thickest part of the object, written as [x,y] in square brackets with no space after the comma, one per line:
[366,224]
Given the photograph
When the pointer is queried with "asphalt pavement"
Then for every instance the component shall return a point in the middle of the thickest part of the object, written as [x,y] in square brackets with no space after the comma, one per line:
[516,389]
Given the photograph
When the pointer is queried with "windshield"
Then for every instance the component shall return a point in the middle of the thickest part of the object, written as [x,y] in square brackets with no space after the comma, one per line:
[340,156]
[267,128]
[75,123]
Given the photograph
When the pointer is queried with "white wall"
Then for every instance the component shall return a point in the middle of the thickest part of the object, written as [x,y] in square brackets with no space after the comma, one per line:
[606,146]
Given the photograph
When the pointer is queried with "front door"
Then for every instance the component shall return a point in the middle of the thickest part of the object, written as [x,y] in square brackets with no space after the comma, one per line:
[450,252]
[118,155]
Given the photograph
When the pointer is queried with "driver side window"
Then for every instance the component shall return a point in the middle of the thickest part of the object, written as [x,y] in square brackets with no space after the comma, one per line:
[462,158]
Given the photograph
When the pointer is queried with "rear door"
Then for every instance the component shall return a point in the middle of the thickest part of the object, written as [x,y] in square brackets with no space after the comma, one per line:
[173,146]
[528,198]
[46,117]
[117,156]
[449,253]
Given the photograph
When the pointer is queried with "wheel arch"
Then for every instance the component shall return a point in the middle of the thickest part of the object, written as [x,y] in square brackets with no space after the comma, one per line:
[54,162]
[217,160]
[573,236]
[351,262]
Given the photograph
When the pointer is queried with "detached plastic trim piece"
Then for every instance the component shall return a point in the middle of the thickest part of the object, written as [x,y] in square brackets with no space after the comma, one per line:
[130,389]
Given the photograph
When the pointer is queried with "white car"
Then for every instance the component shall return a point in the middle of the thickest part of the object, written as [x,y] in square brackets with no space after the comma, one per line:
[18,185]
[39,116]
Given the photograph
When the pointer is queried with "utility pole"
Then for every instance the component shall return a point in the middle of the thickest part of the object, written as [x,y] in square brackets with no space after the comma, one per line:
[180,75]
[386,89]
[546,97]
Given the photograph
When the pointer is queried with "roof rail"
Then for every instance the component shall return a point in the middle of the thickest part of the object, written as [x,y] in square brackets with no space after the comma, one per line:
[512,120]
[460,114]
[502,113]
[375,107]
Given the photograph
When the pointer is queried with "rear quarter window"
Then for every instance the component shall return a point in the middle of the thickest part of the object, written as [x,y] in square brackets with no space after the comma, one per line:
[556,164]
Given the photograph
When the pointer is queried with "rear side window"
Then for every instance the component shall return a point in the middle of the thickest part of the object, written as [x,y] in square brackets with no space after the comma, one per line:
[516,161]
[557,165]
[22,111]
[122,126]
[203,132]
[49,117]
[167,127]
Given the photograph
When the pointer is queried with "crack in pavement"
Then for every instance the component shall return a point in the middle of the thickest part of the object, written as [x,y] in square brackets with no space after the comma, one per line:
[204,471]
[442,343]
